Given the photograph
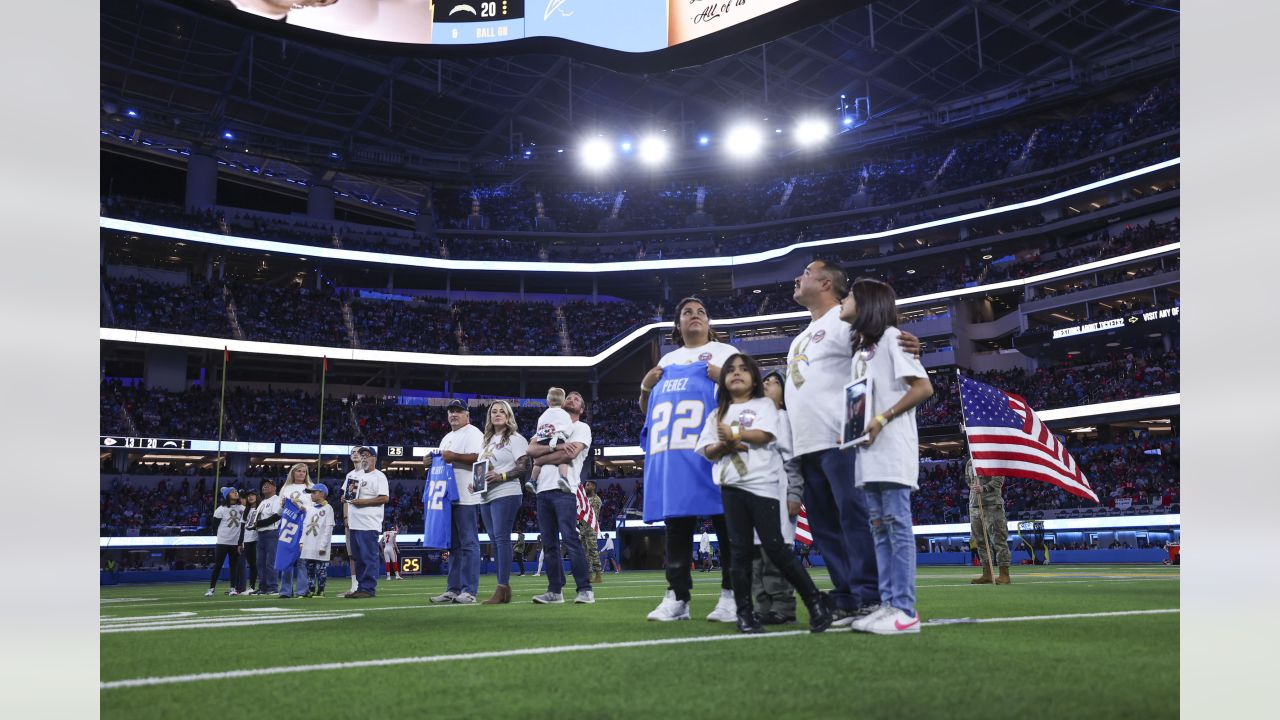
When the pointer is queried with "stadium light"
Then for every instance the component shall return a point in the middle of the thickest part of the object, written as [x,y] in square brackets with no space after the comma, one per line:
[811,131]
[597,154]
[704,140]
[744,141]
[626,146]
[653,150]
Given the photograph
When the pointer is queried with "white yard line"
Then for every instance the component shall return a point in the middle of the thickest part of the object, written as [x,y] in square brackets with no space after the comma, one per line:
[518,652]
[228,622]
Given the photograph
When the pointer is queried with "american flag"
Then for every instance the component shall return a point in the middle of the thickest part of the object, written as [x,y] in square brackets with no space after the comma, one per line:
[586,513]
[802,528]
[1007,439]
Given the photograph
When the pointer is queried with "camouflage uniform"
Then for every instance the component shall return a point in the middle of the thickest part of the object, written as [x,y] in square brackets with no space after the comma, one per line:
[987,518]
[589,543]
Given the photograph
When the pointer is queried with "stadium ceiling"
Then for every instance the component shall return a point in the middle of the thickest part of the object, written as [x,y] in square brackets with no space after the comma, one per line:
[194,76]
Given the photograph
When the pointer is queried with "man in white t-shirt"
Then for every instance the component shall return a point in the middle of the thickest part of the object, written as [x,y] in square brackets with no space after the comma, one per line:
[367,493]
[461,448]
[818,366]
[558,510]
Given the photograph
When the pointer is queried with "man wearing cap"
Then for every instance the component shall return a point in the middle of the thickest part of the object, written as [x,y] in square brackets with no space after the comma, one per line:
[460,448]
[265,520]
[365,497]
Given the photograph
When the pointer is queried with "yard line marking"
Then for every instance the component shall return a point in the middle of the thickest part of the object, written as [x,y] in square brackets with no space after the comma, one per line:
[110,619]
[120,600]
[519,652]
[224,623]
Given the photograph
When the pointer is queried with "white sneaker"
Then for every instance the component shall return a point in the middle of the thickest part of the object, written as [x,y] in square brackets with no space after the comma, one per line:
[894,622]
[233,593]
[210,593]
[464,598]
[860,624]
[670,609]
[585,597]
[549,598]
[447,596]
[726,609]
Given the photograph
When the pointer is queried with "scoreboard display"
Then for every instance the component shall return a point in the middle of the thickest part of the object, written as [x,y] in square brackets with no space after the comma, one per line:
[637,26]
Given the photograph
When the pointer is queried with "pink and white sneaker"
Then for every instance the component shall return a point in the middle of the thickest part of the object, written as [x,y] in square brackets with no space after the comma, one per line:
[894,622]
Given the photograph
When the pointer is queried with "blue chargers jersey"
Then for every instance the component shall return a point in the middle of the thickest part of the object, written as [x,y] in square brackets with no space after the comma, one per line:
[438,497]
[677,480]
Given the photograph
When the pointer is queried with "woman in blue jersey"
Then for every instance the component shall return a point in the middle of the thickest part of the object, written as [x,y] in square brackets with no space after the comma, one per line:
[678,486]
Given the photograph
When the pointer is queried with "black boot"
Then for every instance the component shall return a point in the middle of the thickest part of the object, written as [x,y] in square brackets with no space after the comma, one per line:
[748,622]
[820,616]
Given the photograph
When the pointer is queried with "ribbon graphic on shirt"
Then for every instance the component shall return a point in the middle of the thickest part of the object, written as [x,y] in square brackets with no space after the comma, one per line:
[736,459]
[793,367]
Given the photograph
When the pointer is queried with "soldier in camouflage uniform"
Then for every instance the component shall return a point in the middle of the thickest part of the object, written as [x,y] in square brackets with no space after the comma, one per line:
[589,543]
[989,527]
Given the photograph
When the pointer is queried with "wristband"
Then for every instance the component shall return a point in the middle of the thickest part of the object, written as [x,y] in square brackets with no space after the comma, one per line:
[736,431]
[883,420]
[504,477]
[645,389]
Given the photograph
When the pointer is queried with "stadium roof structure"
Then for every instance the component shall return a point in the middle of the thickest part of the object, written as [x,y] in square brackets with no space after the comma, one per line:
[388,118]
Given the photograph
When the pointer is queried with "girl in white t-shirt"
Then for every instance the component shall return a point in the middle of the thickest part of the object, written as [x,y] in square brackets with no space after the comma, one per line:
[740,438]
[230,517]
[889,464]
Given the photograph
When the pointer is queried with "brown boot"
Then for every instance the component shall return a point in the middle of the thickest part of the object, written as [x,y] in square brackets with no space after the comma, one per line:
[596,578]
[984,578]
[501,595]
[1003,578]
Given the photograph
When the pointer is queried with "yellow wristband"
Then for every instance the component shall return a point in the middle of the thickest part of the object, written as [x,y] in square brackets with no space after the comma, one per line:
[883,421]
[504,477]
[736,431]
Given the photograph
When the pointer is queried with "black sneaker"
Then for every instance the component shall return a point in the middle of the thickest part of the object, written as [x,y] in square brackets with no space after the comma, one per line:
[773,618]
[747,623]
[820,613]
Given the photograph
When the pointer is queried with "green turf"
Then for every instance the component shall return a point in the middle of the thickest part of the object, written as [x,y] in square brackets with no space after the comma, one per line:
[1101,666]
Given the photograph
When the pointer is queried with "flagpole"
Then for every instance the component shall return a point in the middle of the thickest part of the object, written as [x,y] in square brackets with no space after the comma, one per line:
[324,372]
[222,402]
[991,560]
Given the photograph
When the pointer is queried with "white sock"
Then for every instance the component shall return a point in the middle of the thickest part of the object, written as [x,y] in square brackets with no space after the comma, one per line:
[726,594]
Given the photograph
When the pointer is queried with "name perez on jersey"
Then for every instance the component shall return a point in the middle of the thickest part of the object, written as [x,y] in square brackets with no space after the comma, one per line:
[676,385]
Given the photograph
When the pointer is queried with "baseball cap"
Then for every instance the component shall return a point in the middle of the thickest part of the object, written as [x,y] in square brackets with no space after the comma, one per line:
[320,488]
[456,403]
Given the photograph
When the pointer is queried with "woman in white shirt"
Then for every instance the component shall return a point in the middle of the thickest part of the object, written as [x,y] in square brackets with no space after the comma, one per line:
[740,438]
[296,489]
[888,466]
[503,446]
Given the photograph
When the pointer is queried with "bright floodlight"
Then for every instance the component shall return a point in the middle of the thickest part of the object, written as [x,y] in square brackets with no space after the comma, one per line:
[811,131]
[597,154]
[653,150]
[744,141]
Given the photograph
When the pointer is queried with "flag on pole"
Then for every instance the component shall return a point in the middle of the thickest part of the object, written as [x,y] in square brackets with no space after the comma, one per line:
[803,534]
[326,363]
[586,513]
[226,354]
[1008,439]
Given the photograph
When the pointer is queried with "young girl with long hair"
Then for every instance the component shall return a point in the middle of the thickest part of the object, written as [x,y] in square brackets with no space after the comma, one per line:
[740,438]
[888,466]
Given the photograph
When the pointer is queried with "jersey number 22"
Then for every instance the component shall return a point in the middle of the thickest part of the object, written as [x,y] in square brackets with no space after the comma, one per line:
[685,419]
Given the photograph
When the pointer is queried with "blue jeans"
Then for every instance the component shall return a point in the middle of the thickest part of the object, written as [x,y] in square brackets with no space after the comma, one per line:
[269,580]
[464,550]
[889,505]
[362,546]
[557,523]
[499,517]
[840,525]
[293,580]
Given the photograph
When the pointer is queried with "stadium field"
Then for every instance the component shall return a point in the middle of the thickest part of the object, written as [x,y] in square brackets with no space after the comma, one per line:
[1061,642]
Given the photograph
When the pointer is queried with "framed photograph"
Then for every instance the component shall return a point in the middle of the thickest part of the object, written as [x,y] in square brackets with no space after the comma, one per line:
[480,471]
[857,413]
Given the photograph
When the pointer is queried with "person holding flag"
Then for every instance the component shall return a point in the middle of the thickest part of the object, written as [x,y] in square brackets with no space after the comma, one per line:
[589,526]
[366,497]
[1008,440]
[988,525]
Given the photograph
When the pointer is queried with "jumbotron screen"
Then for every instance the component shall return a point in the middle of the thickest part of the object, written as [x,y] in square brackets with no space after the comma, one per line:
[625,25]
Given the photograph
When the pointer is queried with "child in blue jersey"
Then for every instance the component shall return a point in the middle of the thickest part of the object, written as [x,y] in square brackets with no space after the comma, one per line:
[740,438]
[888,466]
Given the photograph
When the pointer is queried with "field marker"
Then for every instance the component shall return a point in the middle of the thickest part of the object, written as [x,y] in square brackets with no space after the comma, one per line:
[519,652]
[202,623]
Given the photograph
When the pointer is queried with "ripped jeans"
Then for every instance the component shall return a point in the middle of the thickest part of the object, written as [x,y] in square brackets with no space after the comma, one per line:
[889,507]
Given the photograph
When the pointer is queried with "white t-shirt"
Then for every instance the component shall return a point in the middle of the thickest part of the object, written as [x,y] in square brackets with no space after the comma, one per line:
[895,455]
[704,542]
[368,485]
[608,544]
[468,440]
[548,477]
[553,422]
[503,455]
[269,507]
[784,450]
[251,517]
[317,532]
[760,465]
[819,358]
[229,517]
[714,353]
[300,494]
